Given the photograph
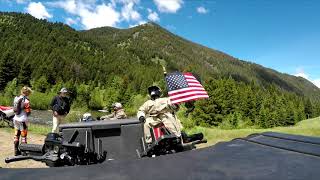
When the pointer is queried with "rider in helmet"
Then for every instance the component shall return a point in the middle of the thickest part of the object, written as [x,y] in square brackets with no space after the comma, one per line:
[157,110]
[86,117]
[118,112]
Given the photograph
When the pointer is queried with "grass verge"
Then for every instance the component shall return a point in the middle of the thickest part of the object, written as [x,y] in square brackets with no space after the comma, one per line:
[39,129]
[310,127]
[34,128]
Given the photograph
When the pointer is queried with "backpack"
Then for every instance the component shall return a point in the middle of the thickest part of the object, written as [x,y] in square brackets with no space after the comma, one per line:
[17,105]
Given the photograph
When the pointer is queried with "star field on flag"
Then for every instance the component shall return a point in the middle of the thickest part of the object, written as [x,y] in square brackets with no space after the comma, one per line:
[183,87]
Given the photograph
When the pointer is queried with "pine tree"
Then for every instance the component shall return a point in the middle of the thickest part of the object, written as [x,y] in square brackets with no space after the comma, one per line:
[24,76]
[264,118]
[308,109]
[8,70]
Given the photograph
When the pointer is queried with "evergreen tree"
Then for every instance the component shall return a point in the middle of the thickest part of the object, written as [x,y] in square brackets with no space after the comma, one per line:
[24,76]
[8,70]
[308,108]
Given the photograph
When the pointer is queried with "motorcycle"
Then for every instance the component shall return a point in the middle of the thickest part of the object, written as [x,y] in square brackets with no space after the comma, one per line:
[6,115]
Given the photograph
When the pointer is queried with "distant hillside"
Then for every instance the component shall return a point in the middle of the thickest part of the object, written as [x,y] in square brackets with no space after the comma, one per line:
[105,65]
[80,55]
[148,41]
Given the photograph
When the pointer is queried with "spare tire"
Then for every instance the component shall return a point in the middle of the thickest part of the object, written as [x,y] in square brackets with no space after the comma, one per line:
[31,148]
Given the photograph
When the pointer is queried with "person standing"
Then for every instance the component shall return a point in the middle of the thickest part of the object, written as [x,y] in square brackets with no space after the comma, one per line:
[60,106]
[22,109]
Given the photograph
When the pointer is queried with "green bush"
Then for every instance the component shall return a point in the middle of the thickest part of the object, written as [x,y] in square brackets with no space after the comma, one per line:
[230,121]
[41,101]
[134,103]
[186,122]
[5,101]
[10,91]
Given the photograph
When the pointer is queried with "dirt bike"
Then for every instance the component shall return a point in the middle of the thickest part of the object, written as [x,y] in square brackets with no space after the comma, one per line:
[6,115]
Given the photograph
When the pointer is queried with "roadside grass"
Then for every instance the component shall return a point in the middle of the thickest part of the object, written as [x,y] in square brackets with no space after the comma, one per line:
[39,129]
[34,128]
[309,127]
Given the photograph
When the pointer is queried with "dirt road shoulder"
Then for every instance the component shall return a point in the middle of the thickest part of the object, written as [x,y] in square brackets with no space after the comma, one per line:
[6,149]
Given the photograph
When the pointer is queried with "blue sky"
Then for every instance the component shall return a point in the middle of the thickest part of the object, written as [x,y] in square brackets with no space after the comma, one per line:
[282,35]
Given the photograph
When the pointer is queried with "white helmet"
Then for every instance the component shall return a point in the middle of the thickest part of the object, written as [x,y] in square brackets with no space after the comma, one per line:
[87,117]
[117,105]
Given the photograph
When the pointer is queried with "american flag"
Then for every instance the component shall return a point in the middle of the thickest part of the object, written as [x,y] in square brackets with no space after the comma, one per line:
[183,87]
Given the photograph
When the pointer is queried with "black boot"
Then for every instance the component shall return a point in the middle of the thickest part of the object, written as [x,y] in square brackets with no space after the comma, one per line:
[190,138]
[16,148]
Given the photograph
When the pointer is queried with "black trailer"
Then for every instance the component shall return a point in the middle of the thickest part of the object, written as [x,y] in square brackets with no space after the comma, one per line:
[258,156]
[93,142]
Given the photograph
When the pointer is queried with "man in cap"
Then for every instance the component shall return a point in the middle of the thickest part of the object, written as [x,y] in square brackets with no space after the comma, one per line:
[60,106]
[157,110]
[118,113]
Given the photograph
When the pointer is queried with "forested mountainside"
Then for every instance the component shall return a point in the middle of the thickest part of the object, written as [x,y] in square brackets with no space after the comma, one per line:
[146,42]
[106,64]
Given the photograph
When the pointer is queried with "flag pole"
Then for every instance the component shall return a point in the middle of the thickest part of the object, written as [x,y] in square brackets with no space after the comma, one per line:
[164,70]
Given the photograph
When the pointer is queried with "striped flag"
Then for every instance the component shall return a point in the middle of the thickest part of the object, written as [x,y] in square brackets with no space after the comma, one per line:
[183,87]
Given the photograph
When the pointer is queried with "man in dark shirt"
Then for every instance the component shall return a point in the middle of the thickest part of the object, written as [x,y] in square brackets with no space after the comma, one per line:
[60,106]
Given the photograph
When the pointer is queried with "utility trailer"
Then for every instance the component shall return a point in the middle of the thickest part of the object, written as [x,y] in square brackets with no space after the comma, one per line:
[85,143]
[262,156]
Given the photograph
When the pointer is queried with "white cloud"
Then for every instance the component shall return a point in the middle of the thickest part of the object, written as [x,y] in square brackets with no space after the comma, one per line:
[38,10]
[202,10]
[168,6]
[128,12]
[70,21]
[300,73]
[125,1]
[137,24]
[68,5]
[92,15]
[102,15]
[316,82]
[153,16]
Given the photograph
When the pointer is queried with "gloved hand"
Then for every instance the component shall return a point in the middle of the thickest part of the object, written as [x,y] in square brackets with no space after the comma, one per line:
[142,119]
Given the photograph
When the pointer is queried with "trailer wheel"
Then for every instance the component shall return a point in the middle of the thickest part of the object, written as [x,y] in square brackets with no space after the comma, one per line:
[31,148]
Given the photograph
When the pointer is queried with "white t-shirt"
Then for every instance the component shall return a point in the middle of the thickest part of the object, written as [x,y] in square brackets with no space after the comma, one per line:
[22,117]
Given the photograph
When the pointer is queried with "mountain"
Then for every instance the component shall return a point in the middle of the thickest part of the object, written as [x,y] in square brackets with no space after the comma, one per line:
[106,65]
[151,40]
[57,45]
[45,54]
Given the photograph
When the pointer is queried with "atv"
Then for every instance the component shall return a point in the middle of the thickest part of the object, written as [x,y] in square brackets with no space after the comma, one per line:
[85,143]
